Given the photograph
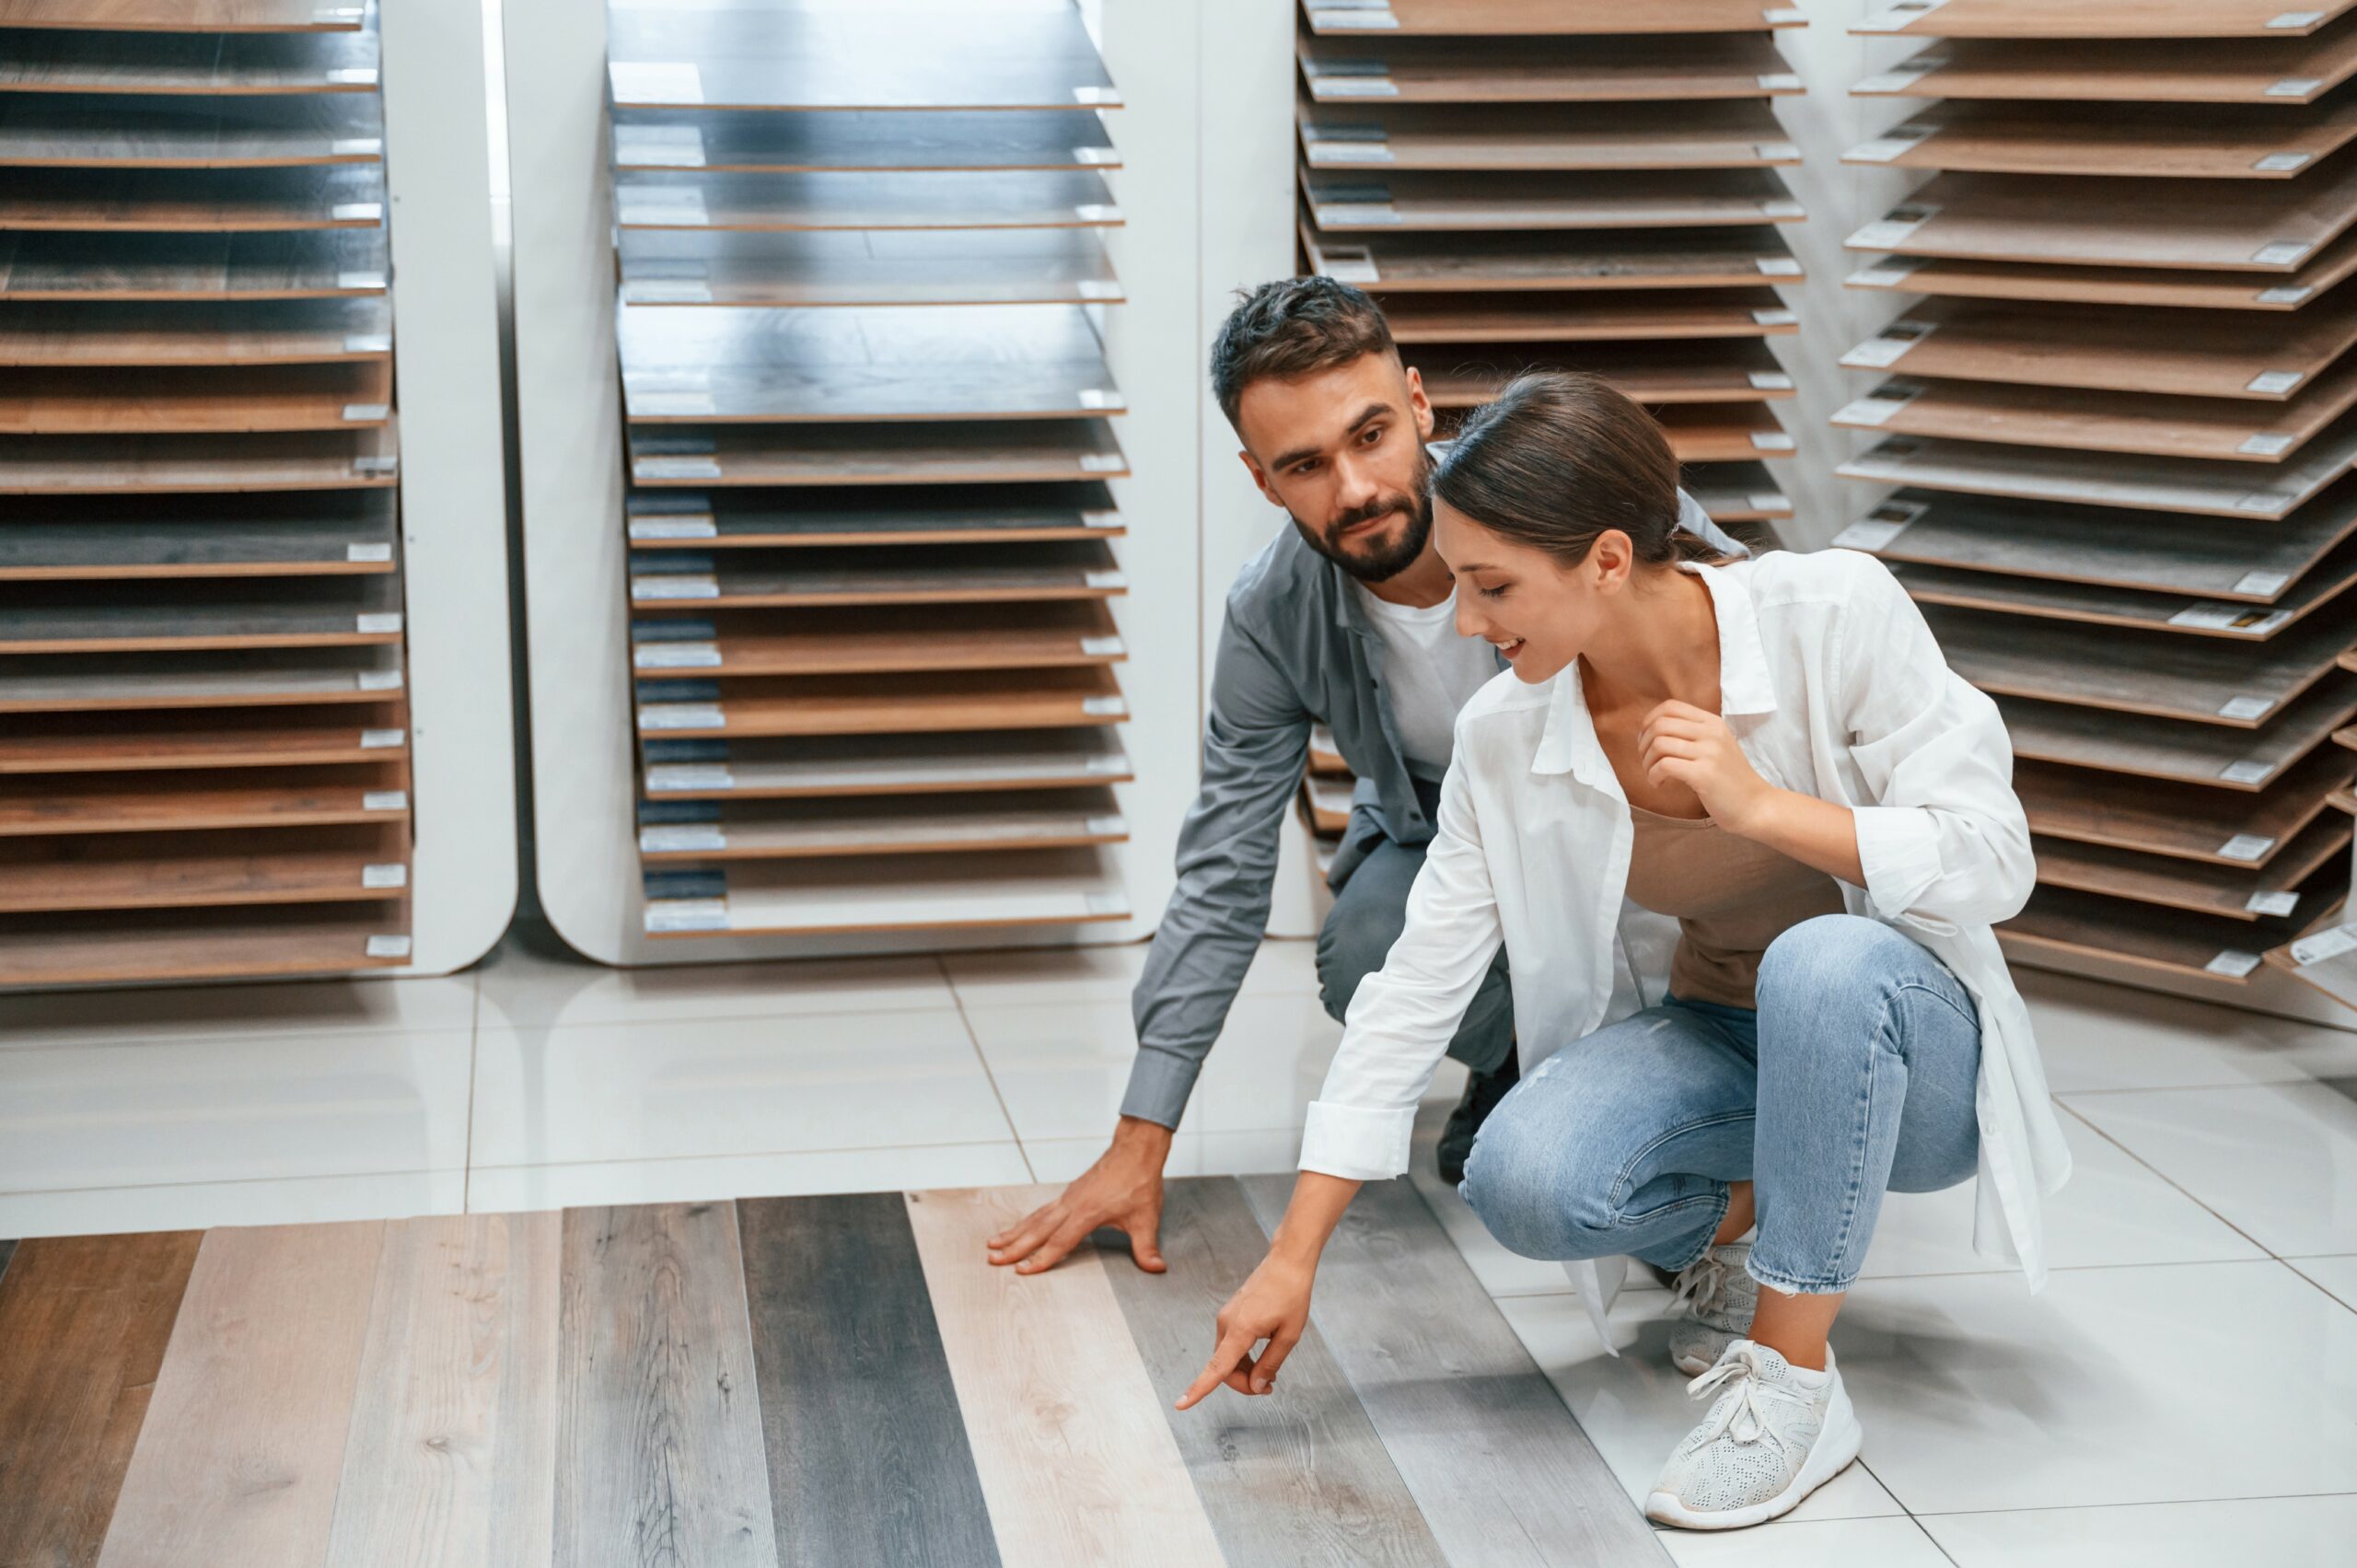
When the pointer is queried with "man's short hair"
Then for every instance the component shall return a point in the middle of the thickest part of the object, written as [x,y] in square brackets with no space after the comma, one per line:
[1290,328]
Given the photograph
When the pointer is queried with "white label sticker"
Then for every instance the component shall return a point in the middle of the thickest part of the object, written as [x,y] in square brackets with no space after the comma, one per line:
[366,413]
[1102,397]
[1868,534]
[354,76]
[2245,707]
[2232,962]
[1325,20]
[1334,215]
[378,624]
[1769,501]
[640,208]
[1876,407]
[1097,212]
[368,555]
[663,291]
[2262,501]
[1882,351]
[1102,647]
[674,655]
[1344,267]
[1888,273]
[2211,615]
[1107,904]
[681,716]
[1771,381]
[367,342]
[2282,253]
[2295,19]
[2272,382]
[676,777]
[1102,462]
[1104,707]
[1096,157]
[1100,519]
[2293,87]
[2246,846]
[387,947]
[1900,78]
[1899,139]
[1777,266]
[676,468]
[356,146]
[357,212]
[1893,227]
[2266,445]
[640,81]
[1102,827]
[388,875]
[2249,771]
[666,146]
[688,838]
[381,739]
[1324,86]
[1776,152]
[1895,19]
[2281,162]
[692,525]
[1777,317]
[1108,580]
[385,800]
[1105,765]
[2279,902]
[1105,98]
[1783,207]
[665,915]
[2324,945]
[1093,288]
[377,680]
[2262,585]
[1323,152]
[360,279]
[1770,441]
[683,584]
[2288,294]
[1778,82]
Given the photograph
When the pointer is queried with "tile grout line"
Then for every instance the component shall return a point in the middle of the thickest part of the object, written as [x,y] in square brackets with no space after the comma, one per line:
[958,1000]
[474,1052]
[2091,1126]
[2136,1503]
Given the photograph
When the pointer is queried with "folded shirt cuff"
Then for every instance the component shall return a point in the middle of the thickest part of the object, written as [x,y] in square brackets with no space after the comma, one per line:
[1160,1081]
[1355,1141]
[1898,849]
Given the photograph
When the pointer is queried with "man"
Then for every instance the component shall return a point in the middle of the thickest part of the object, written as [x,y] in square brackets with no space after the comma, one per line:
[1347,618]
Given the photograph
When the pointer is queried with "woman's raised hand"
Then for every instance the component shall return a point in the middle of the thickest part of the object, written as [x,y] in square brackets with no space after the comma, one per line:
[1679,743]
[1274,1304]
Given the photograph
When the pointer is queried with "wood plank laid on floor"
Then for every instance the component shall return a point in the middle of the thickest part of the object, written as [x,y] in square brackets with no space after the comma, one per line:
[1735,258]
[83,1324]
[451,1460]
[658,1428]
[243,1445]
[1298,1477]
[1503,1472]
[1068,1431]
[868,1461]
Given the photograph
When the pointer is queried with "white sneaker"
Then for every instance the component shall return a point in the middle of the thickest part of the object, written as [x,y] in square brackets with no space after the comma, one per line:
[1774,1434]
[1712,1300]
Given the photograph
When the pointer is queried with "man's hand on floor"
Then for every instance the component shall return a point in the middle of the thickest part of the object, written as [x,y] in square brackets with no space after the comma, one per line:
[1124,1190]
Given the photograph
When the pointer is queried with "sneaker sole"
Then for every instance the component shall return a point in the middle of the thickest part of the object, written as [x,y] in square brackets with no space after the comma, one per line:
[1836,1447]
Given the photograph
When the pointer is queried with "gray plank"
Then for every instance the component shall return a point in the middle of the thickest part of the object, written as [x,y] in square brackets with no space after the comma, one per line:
[880,516]
[867,1452]
[2173,748]
[1297,1477]
[77,266]
[1502,1471]
[658,1435]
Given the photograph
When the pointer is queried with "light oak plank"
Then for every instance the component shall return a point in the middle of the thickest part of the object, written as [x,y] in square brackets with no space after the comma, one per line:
[908,638]
[688,834]
[2273,71]
[243,1445]
[1076,1458]
[2325,268]
[111,334]
[41,806]
[1544,138]
[1559,18]
[262,738]
[187,15]
[659,1439]
[183,945]
[128,871]
[361,458]
[2171,142]
[2100,18]
[1390,264]
[452,1455]
[881,704]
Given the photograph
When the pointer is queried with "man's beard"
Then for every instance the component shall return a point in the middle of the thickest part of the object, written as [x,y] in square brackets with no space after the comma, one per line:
[1382,559]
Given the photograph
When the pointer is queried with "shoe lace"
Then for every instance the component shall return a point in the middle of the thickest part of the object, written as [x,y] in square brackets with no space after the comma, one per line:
[1740,1412]
[1701,1287]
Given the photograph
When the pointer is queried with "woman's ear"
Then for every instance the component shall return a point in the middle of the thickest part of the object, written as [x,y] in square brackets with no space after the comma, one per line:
[1610,559]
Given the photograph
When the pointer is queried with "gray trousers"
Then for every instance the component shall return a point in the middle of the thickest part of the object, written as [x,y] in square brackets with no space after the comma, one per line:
[1368,913]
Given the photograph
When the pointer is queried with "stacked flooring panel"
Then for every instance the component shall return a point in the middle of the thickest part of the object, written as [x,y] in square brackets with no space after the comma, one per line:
[1567,183]
[204,741]
[2120,420]
[862,297]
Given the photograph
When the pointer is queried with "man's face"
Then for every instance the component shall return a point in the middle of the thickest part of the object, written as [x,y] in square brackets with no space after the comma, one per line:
[1342,451]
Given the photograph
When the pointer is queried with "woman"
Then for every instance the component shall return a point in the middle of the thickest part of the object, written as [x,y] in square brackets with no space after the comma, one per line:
[1774,752]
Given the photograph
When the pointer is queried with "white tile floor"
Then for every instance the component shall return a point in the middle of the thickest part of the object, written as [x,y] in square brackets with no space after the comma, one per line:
[2185,1391]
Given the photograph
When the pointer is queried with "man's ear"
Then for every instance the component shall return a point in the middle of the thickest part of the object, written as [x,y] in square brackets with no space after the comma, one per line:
[1419,403]
[1259,477]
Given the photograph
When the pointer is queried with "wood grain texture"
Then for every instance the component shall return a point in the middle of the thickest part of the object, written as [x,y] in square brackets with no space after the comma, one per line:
[1524,138]
[881,140]
[1009,573]
[261,737]
[1069,1438]
[2159,71]
[347,262]
[2061,925]
[906,637]
[2103,20]
[2170,142]
[886,704]
[185,16]
[94,618]
[167,201]
[162,465]
[2229,892]
[203,870]
[262,679]
[1008,452]
[655,200]
[83,1325]
[452,1454]
[1297,1477]
[1466,376]
[1549,69]
[1559,18]
[46,401]
[1724,433]
[2242,491]
[39,806]
[280,536]
[2187,822]
[1502,1473]
[868,1459]
[659,1439]
[857,895]
[184,944]
[838,768]
[198,64]
[243,1445]
[2325,268]
[42,130]
[998,266]
[1483,318]
[1391,204]
[180,333]
[995,824]
[2091,605]
[1390,264]
[1003,515]
[2176,750]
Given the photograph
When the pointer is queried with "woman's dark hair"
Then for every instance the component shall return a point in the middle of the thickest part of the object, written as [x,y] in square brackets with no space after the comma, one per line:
[1560,458]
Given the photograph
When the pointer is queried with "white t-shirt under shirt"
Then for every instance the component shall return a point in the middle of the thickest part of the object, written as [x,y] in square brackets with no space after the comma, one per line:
[1430,673]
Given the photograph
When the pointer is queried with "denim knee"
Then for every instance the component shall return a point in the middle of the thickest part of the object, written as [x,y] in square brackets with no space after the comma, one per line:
[1828,955]
[1532,1194]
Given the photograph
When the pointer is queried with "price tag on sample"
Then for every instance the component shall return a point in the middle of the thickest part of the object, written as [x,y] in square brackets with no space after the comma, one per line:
[1104,707]
[1900,78]
[683,584]
[1770,441]
[2249,771]
[2281,162]
[681,716]
[680,777]
[2232,962]
[382,739]
[1777,266]
[668,147]
[697,838]
[676,468]
[2262,585]
[2293,87]
[377,625]
[385,800]
[667,916]
[1876,407]
[689,525]
[1891,143]
[377,680]
[368,555]
[674,655]
[2324,945]
[388,875]
[2246,847]
[1882,351]
[2282,253]
[2245,707]
[387,947]
[1893,227]
[1897,18]
[2281,901]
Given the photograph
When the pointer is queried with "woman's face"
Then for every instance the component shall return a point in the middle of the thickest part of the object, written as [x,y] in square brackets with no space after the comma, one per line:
[1538,612]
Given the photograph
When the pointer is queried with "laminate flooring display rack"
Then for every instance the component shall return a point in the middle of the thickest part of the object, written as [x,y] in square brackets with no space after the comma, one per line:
[872,551]
[203,611]
[2116,422]
[1563,183]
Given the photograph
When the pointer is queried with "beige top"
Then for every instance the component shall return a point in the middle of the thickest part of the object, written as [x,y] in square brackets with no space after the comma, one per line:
[1732,897]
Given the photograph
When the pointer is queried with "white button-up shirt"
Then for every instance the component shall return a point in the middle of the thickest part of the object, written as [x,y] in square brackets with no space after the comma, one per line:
[1833,687]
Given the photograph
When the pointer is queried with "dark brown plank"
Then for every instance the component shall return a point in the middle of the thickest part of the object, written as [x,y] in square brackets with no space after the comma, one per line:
[1340,69]
[868,1459]
[84,1321]
[2186,821]
[38,806]
[2174,749]
[199,64]
[188,16]
[347,534]
[1002,515]
[1348,204]
[1466,376]
[2066,927]
[237,400]
[112,332]
[1030,574]
[171,201]
[881,704]
[2232,892]
[82,618]
[40,131]
[2090,605]
[104,742]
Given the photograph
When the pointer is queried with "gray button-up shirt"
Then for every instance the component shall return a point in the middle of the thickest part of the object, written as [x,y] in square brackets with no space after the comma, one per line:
[1295,650]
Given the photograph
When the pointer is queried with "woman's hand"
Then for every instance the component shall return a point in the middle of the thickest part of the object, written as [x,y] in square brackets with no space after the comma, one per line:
[1679,743]
[1274,1304]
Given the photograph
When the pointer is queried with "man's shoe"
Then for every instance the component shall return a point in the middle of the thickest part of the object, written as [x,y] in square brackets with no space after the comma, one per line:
[1775,1434]
[1710,1303]
[1482,1092]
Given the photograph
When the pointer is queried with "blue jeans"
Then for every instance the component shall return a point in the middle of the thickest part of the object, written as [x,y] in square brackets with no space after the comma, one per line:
[1856,1076]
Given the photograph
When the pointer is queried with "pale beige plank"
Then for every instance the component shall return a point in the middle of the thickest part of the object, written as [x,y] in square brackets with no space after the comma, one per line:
[452,1456]
[243,1445]
[1075,1454]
